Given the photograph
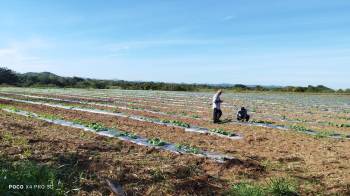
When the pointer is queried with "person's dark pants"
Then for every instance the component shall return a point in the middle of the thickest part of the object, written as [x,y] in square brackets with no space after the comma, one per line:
[216,115]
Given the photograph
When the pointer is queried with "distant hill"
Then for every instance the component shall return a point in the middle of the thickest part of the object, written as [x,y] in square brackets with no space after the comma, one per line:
[46,74]
[47,79]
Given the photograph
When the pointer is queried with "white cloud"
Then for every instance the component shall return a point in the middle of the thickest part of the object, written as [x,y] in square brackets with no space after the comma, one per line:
[229,17]
[21,55]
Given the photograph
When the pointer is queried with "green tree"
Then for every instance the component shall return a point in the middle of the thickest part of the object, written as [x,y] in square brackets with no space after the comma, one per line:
[7,76]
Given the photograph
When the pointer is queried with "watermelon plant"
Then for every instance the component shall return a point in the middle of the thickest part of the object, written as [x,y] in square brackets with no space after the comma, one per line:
[176,122]
[97,127]
[156,142]
[262,121]
[188,148]
[127,134]
[299,128]
[222,132]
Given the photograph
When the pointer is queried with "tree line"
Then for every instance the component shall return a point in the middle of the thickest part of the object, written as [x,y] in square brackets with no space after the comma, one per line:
[47,79]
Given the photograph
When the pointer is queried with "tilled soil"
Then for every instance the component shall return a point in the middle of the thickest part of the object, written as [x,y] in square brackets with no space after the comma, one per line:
[321,165]
[139,170]
[203,121]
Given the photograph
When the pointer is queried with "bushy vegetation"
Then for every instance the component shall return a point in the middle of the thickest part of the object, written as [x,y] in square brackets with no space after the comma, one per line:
[7,76]
[47,79]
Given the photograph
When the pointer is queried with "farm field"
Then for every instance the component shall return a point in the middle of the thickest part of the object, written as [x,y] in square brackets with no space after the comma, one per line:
[159,142]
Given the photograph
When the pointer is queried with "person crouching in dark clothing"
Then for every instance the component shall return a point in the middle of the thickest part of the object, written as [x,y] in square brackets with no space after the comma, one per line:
[242,115]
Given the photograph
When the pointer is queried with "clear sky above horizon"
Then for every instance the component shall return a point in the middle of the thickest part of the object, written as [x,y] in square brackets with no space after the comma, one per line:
[271,42]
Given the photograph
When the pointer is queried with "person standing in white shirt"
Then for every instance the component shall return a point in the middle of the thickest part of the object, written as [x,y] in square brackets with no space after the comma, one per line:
[217,107]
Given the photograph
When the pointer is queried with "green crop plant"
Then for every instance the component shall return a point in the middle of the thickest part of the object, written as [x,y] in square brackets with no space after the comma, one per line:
[165,121]
[324,134]
[3,106]
[300,120]
[97,127]
[48,116]
[336,125]
[181,124]
[183,113]
[299,128]
[12,108]
[262,121]
[344,125]
[188,148]
[127,134]
[80,122]
[222,132]
[156,142]
[195,116]
[176,122]
[344,118]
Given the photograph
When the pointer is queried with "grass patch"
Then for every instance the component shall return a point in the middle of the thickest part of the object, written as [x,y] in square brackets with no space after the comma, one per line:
[27,173]
[275,187]
[19,142]
[157,175]
[246,189]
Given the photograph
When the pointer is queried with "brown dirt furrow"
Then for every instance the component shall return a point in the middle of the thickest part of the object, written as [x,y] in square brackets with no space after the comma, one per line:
[140,170]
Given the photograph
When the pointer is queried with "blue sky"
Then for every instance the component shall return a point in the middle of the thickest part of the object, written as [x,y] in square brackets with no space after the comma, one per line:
[270,42]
